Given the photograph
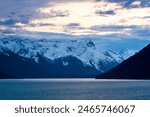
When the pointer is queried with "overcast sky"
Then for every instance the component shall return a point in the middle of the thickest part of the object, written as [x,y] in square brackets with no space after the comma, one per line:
[129,18]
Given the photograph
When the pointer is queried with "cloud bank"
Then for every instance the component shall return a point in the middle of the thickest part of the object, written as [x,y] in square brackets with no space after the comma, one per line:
[75,17]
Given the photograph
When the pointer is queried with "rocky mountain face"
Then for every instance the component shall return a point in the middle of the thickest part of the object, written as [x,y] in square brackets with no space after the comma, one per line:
[44,58]
[135,67]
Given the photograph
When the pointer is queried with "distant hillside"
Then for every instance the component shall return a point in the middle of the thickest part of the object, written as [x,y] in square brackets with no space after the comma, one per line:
[135,67]
[14,66]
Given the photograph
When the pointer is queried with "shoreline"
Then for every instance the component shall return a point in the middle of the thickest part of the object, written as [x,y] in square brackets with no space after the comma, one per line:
[74,80]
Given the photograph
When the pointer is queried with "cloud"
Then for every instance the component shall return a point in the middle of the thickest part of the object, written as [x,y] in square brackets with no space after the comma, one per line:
[136,3]
[73,25]
[146,17]
[96,17]
[132,31]
[8,22]
[40,24]
[109,28]
[59,13]
[51,13]
[46,24]
[108,12]
[142,32]
[7,31]
[130,3]
[13,23]
[113,24]
[22,6]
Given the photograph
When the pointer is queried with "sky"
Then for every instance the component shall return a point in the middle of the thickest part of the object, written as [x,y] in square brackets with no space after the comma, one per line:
[111,19]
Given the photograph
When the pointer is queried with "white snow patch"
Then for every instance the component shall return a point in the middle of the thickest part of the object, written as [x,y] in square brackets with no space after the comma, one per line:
[84,50]
[65,63]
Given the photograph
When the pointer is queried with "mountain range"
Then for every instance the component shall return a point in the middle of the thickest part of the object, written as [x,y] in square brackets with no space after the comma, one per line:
[46,58]
[135,67]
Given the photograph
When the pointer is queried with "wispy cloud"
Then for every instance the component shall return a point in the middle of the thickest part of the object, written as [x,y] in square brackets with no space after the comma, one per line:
[8,22]
[76,17]
[73,25]
[109,12]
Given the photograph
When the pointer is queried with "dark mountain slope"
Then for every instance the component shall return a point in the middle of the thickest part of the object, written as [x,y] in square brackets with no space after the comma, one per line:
[136,67]
[14,66]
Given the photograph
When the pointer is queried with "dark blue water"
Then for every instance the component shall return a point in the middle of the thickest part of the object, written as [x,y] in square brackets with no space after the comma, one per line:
[74,89]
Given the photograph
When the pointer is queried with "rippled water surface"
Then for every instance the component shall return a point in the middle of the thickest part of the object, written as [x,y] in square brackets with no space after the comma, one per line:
[74,89]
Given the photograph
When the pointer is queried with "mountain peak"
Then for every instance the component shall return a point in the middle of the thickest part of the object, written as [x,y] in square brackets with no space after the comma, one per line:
[136,67]
[84,51]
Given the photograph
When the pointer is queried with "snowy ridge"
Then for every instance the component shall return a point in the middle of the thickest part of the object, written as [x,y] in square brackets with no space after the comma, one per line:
[85,50]
[126,53]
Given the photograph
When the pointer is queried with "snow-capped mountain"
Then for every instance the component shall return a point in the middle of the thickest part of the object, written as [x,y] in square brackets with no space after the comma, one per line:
[58,51]
[126,53]
[135,67]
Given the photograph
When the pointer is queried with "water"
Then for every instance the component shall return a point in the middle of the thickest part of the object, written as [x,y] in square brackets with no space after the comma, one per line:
[74,89]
